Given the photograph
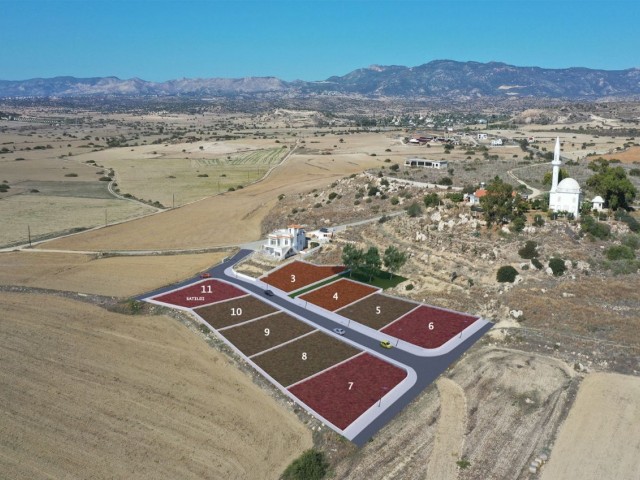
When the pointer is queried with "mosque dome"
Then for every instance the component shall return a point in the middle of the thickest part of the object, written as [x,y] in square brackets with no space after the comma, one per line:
[568,185]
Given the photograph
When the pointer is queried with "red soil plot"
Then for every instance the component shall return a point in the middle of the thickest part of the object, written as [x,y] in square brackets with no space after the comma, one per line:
[338,294]
[296,275]
[346,391]
[414,327]
[209,291]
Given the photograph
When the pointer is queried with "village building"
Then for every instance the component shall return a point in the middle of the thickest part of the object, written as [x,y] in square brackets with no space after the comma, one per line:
[285,242]
[564,196]
[421,162]
[597,203]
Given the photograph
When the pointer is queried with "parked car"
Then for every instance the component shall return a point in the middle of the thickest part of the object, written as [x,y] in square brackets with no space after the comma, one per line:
[386,344]
[269,293]
[205,275]
[339,331]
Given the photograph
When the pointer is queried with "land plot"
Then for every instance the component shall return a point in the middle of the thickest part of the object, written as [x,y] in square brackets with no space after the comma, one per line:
[338,294]
[304,357]
[265,333]
[346,391]
[429,327]
[377,311]
[297,275]
[225,314]
[209,291]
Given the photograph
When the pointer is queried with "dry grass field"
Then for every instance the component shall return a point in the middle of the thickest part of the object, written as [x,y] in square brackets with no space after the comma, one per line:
[600,438]
[231,218]
[631,155]
[86,393]
[112,276]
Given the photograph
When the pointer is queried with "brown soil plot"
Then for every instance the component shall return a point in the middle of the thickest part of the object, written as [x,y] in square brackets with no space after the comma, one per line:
[232,312]
[304,357]
[377,310]
[338,294]
[265,333]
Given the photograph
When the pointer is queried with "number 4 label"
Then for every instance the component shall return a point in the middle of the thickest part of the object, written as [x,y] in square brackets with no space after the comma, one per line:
[335,296]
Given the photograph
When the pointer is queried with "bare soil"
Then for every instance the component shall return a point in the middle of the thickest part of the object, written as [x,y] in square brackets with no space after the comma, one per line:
[600,437]
[86,393]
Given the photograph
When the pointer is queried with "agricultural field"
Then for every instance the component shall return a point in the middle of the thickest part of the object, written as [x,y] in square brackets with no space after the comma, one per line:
[429,327]
[344,392]
[338,294]
[203,293]
[90,274]
[232,312]
[377,311]
[259,335]
[173,177]
[297,275]
[301,358]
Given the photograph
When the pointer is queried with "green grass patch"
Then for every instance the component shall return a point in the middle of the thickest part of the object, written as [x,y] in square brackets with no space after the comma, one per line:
[304,290]
[381,281]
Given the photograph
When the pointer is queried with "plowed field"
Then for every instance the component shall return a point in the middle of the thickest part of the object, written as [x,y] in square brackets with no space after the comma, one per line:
[302,358]
[297,275]
[377,310]
[209,291]
[265,333]
[414,327]
[232,312]
[338,294]
[346,391]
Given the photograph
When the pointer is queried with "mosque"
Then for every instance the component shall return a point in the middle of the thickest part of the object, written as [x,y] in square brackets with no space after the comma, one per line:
[566,195]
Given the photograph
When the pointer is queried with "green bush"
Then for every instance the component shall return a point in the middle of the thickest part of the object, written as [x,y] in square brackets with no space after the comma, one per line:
[431,200]
[517,224]
[557,266]
[538,221]
[105,179]
[409,287]
[71,175]
[620,252]
[631,241]
[446,181]
[599,230]
[455,197]
[311,465]
[394,200]
[414,210]
[529,251]
[332,195]
[536,263]
[506,273]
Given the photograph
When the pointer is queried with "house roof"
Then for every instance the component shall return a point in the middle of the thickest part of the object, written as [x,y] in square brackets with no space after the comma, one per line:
[597,199]
[481,192]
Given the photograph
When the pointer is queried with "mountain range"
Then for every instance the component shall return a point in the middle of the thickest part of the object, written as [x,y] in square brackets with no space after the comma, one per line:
[437,79]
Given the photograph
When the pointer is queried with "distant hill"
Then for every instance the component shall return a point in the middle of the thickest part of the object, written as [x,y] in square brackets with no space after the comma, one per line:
[436,79]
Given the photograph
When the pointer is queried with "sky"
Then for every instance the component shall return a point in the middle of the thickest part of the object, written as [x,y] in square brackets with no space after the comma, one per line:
[160,40]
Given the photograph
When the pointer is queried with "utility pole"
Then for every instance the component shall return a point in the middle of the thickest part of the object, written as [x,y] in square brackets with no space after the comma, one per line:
[105,217]
[173,203]
[29,234]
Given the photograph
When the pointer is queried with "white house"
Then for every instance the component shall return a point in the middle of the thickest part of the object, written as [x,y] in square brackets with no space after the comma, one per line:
[496,143]
[322,235]
[284,242]
[564,196]
[597,203]
[482,136]
[421,162]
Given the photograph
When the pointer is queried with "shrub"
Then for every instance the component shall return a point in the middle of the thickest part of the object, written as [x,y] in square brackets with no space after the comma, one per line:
[446,181]
[414,210]
[538,221]
[395,167]
[372,191]
[536,263]
[332,195]
[517,224]
[281,196]
[529,250]
[394,200]
[599,230]
[317,205]
[631,241]
[557,266]
[105,179]
[455,197]
[620,252]
[203,175]
[71,175]
[311,465]
[506,273]
[431,200]
[409,287]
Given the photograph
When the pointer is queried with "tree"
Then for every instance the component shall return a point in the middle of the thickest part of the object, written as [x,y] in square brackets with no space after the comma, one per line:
[562,174]
[352,258]
[498,204]
[557,266]
[393,259]
[612,184]
[431,200]
[529,251]
[311,465]
[371,263]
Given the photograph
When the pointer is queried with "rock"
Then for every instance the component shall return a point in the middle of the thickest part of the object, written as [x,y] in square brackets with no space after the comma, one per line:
[579,367]
[568,264]
[583,266]
[548,271]
[533,469]
[519,279]
[515,313]
[440,226]
[567,295]
[436,216]
[544,457]
[505,229]
[420,237]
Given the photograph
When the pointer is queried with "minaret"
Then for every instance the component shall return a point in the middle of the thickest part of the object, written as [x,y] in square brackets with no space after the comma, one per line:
[556,166]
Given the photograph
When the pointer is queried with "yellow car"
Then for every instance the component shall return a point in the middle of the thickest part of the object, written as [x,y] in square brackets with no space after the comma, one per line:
[386,344]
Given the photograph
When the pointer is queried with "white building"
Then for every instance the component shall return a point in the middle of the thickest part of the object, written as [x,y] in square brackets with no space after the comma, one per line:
[284,242]
[597,203]
[564,196]
[322,235]
[421,162]
[496,143]
[482,136]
